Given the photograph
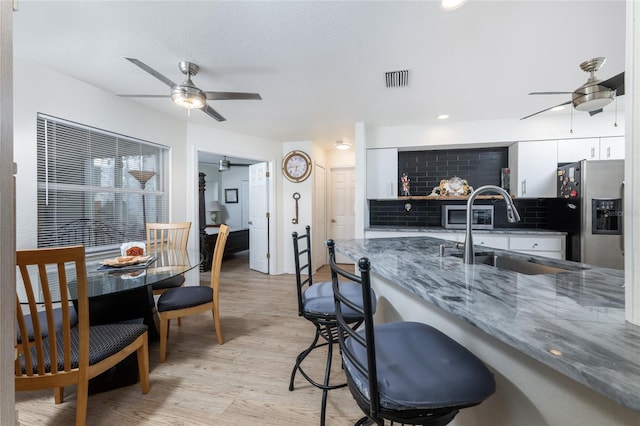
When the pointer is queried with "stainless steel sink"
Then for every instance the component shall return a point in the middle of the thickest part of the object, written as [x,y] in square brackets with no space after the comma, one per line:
[522,266]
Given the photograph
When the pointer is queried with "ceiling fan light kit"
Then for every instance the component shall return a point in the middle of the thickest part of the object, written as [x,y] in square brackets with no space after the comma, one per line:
[224,165]
[595,100]
[188,97]
[451,4]
[342,145]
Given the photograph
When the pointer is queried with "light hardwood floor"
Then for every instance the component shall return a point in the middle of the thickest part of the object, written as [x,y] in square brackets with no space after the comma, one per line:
[243,382]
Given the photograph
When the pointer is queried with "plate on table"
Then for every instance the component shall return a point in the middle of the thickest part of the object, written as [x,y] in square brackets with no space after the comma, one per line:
[126,262]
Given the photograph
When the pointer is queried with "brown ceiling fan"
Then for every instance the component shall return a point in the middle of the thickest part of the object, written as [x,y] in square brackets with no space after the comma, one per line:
[593,95]
[186,94]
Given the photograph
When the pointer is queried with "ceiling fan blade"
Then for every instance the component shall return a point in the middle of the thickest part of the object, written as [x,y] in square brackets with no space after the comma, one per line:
[550,93]
[212,112]
[151,71]
[536,113]
[615,83]
[221,96]
[592,113]
[144,96]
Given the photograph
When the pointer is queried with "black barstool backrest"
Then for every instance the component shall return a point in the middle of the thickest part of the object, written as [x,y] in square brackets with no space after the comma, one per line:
[344,331]
[302,258]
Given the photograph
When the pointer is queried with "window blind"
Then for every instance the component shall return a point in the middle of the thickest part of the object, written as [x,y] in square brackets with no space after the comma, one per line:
[95,187]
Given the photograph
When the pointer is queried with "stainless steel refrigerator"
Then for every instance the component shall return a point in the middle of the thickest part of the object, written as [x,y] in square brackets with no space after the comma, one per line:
[589,209]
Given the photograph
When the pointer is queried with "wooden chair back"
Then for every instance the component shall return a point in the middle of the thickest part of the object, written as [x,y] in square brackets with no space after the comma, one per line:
[56,353]
[45,277]
[216,265]
[168,242]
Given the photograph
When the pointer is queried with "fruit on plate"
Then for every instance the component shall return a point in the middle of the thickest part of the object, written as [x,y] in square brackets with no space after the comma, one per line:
[135,251]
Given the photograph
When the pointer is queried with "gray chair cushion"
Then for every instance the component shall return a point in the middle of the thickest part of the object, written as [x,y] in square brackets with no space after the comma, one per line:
[104,341]
[184,297]
[318,299]
[420,367]
[44,329]
[172,282]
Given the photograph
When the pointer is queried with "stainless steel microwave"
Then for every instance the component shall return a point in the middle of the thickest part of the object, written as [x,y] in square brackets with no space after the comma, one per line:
[455,216]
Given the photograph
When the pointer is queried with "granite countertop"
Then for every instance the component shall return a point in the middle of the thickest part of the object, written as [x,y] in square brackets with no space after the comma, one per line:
[572,321]
[392,228]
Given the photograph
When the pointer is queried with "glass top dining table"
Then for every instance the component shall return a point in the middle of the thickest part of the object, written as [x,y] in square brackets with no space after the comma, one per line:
[105,281]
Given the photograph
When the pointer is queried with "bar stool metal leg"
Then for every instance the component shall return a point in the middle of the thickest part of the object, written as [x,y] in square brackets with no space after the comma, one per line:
[328,331]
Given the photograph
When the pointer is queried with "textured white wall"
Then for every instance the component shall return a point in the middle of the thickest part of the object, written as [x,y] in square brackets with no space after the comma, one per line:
[41,90]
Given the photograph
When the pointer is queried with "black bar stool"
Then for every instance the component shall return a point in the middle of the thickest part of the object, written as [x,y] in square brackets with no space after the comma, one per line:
[405,372]
[316,304]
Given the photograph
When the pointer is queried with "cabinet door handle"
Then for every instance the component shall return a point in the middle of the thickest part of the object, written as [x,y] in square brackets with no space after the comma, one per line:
[524,186]
[608,152]
[593,152]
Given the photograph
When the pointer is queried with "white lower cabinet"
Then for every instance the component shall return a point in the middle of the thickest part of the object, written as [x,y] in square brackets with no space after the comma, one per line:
[522,242]
[493,241]
[540,245]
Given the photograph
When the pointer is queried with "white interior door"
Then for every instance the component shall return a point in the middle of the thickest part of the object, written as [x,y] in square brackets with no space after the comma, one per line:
[343,216]
[258,220]
[319,228]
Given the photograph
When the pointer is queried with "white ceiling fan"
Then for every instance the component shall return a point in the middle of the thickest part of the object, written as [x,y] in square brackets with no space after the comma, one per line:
[186,94]
[593,95]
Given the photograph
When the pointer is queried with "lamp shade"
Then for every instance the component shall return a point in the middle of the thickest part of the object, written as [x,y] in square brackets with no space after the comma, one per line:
[214,206]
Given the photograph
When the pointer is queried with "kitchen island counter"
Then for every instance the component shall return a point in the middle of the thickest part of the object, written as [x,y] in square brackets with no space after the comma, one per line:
[572,322]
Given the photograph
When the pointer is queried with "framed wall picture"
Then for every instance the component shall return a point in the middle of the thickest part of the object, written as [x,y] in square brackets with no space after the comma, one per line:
[231,195]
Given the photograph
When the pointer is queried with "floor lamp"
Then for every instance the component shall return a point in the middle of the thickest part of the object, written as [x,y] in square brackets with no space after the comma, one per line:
[143,176]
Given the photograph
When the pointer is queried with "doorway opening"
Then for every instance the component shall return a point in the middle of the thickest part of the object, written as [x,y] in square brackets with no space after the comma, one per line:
[229,194]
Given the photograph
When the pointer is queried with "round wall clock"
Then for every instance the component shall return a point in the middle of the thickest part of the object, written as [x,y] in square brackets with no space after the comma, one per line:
[296,166]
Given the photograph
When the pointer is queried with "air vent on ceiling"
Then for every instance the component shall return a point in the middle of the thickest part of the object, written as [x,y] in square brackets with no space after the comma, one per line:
[397,78]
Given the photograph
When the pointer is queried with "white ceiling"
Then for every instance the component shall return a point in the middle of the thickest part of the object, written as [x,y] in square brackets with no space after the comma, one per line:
[320,66]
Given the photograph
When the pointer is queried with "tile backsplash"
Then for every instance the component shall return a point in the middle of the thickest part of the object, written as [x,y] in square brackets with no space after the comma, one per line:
[425,170]
[428,212]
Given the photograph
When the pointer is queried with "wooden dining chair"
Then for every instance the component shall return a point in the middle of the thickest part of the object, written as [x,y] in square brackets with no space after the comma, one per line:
[59,353]
[181,301]
[168,243]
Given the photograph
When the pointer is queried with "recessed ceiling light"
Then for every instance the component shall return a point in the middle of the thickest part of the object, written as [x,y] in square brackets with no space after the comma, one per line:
[451,4]
[558,108]
[442,116]
[342,145]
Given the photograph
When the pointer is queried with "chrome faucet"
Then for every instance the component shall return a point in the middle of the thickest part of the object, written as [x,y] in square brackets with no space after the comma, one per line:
[512,216]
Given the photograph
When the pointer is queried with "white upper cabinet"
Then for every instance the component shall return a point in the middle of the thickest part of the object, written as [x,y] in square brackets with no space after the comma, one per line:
[533,169]
[382,173]
[609,148]
[571,150]
[612,148]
